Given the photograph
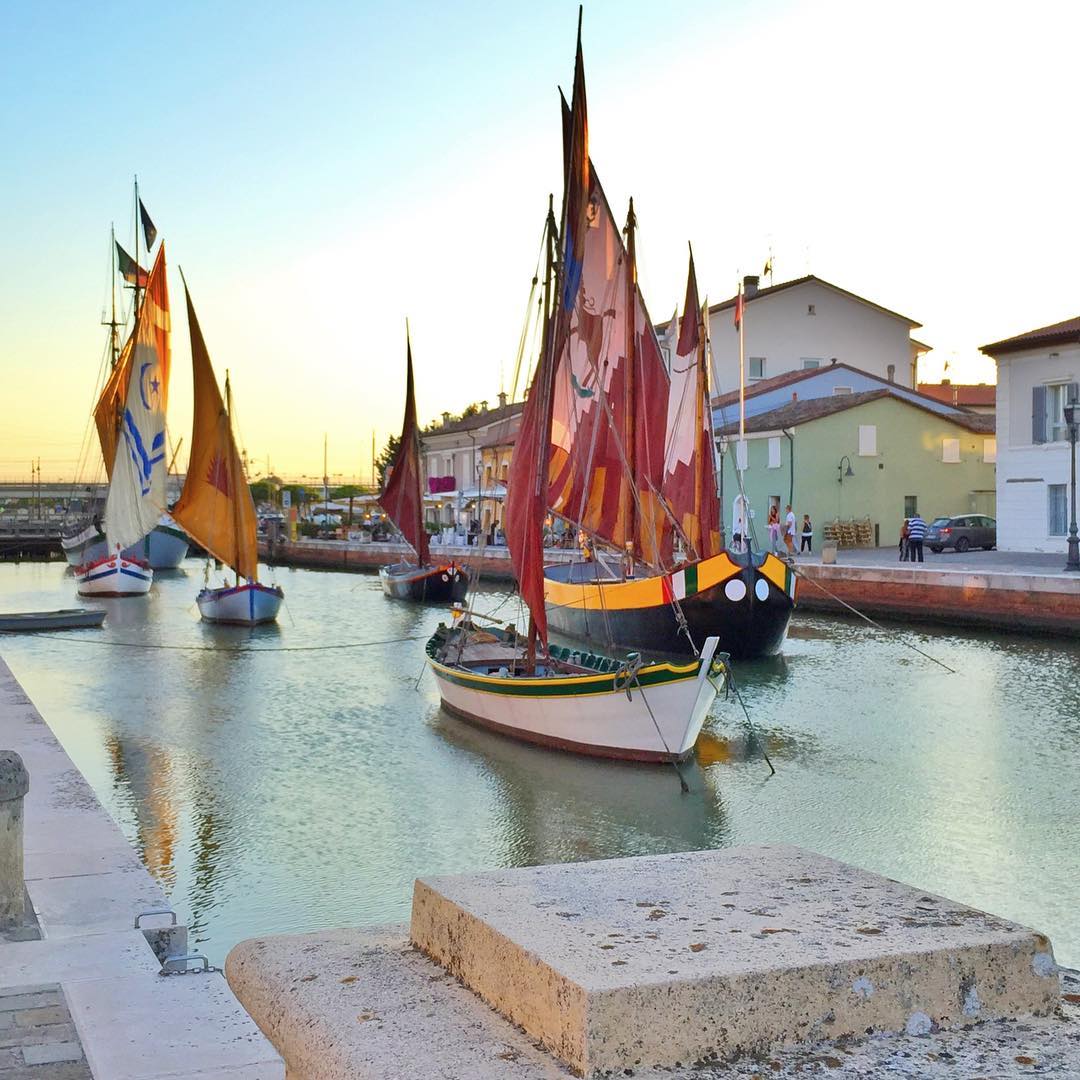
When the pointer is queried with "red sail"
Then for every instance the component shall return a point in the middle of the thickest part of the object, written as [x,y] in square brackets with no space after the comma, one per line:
[597,480]
[689,470]
[401,498]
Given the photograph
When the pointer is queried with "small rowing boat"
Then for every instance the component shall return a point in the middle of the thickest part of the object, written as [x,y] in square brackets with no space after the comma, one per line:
[23,622]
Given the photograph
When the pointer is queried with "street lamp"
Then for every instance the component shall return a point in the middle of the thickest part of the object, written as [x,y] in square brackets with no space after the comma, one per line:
[840,469]
[1072,418]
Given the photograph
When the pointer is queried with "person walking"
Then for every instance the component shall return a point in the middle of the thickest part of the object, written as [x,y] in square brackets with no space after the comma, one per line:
[807,539]
[774,528]
[916,528]
[904,541]
[789,531]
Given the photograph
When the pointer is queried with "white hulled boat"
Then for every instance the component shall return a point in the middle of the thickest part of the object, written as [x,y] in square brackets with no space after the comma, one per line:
[522,685]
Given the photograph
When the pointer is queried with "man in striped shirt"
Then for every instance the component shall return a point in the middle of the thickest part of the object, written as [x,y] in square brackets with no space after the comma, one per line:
[916,534]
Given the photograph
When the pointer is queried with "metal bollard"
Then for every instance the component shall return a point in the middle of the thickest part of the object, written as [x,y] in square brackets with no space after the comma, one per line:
[14,784]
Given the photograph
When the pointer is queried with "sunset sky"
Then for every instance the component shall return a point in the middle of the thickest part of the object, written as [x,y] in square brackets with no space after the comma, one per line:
[323,171]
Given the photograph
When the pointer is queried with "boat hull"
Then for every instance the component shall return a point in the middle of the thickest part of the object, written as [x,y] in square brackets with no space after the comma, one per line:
[241,605]
[433,584]
[67,619]
[165,547]
[589,714]
[115,576]
[746,602]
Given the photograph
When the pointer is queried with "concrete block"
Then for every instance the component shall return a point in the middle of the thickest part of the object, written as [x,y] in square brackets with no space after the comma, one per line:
[172,1026]
[52,1053]
[706,955]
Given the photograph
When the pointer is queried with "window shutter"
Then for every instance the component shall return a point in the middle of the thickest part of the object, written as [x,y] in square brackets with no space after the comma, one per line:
[1072,392]
[1038,414]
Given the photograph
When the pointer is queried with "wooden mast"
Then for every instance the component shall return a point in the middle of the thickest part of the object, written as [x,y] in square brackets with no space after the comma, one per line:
[237,480]
[546,358]
[628,509]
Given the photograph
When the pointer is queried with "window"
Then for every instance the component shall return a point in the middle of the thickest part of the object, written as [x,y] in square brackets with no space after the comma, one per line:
[810,310]
[840,390]
[911,505]
[989,451]
[774,453]
[950,451]
[1048,411]
[1057,510]
[868,440]
[810,362]
[757,367]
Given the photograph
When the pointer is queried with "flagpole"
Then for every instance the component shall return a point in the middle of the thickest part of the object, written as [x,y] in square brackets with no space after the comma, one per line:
[741,304]
[137,224]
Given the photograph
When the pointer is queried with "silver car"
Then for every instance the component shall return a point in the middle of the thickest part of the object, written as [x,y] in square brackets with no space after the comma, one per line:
[962,533]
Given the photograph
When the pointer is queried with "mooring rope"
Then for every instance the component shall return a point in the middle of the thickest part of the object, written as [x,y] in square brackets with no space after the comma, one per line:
[225,649]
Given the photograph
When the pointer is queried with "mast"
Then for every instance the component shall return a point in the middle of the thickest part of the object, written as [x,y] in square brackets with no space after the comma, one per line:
[629,502]
[544,387]
[137,226]
[114,338]
[240,479]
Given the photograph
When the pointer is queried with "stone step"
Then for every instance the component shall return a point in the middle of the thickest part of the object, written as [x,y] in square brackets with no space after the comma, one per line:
[705,955]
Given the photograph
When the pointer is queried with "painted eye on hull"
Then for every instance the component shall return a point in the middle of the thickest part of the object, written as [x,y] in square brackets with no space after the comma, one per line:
[735,589]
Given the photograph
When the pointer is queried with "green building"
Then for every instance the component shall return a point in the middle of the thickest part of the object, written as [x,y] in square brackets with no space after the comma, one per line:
[872,455]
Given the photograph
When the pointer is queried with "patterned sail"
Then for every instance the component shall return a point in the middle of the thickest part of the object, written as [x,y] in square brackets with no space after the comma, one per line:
[137,493]
[607,437]
[689,465]
[401,498]
[216,507]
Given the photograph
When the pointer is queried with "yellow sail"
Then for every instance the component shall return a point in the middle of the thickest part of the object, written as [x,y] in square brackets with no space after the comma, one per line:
[216,507]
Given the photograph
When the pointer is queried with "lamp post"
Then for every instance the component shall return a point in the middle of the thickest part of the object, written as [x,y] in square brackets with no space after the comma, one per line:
[840,469]
[1072,419]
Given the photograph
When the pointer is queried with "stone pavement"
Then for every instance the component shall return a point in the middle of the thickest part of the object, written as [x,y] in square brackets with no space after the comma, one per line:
[38,1040]
[86,885]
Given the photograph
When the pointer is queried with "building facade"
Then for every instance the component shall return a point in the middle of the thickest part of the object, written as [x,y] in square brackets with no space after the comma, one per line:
[464,459]
[872,455]
[805,324]
[1037,374]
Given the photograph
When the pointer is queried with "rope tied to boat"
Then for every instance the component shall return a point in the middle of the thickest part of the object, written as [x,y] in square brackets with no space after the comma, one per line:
[626,674]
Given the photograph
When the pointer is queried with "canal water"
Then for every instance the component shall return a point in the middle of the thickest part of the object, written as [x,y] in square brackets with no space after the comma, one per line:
[300,776]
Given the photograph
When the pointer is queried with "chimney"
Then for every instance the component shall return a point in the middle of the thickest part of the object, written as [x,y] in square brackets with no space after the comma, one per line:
[483,406]
[502,399]
[946,382]
[892,373]
[445,419]
[794,395]
[749,286]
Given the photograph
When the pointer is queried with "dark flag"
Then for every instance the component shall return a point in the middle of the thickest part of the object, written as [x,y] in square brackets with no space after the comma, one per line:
[148,226]
[577,185]
[130,271]
[738,309]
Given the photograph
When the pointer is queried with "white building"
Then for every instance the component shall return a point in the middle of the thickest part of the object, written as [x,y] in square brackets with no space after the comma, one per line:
[1037,373]
[459,483]
[806,323]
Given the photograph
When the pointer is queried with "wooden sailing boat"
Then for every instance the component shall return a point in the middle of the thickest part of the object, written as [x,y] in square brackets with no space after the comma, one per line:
[216,507]
[522,686]
[632,466]
[164,546]
[402,500]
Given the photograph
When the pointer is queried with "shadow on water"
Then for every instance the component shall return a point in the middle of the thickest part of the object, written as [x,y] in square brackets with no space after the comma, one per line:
[565,808]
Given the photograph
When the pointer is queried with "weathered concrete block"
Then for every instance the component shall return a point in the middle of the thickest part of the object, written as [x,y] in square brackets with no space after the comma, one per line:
[698,956]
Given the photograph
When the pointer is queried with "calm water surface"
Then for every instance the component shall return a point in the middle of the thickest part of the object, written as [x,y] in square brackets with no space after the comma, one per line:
[281,790]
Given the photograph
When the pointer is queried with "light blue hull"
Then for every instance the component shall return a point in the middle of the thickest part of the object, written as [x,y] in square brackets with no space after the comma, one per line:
[164,548]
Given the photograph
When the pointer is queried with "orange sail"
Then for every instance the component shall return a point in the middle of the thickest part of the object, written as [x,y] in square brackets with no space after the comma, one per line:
[109,410]
[216,507]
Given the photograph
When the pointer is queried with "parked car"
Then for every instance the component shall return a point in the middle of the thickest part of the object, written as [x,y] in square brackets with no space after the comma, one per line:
[962,533]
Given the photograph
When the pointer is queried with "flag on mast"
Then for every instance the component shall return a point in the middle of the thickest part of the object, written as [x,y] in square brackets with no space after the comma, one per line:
[739,309]
[129,269]
[149,231]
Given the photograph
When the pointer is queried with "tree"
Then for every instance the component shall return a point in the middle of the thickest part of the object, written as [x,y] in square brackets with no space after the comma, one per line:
[386,458]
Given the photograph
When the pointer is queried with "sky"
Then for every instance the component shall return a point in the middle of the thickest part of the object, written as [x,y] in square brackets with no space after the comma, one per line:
[324,171]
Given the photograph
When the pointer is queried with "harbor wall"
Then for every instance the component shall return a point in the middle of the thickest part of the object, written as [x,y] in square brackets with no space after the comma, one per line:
[1024,603]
